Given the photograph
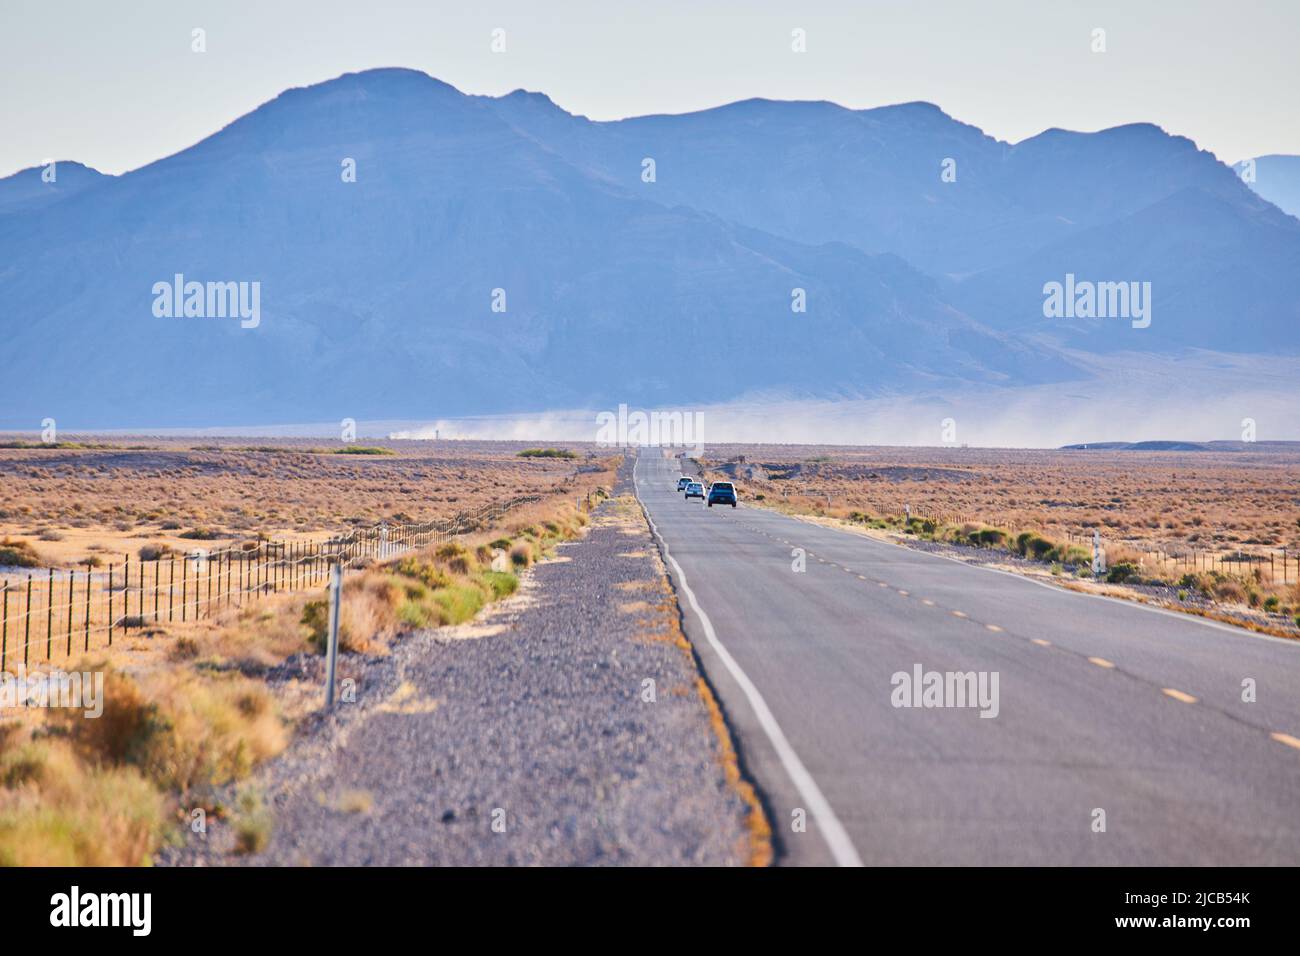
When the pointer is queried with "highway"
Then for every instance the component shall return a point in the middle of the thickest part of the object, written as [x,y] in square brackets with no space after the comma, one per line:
[1118,733]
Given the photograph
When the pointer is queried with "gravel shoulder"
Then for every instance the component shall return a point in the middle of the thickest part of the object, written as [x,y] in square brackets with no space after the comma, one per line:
[567,725]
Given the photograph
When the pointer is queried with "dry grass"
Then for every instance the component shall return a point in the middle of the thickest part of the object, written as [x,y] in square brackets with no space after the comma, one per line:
[76,790]
[119,496]
[1210,500]
[182,715]
[1163,516]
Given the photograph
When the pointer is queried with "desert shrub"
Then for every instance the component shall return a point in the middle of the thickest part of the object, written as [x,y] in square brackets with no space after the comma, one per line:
[18,554]
[182,730]
[1070,554]
[316,618]
[1119,573]
[462,601]
[1229,590]
[417,611]
[252,822]
[502,583]
[430,574]
[58,810]
[1033,545]
[1272,603]
[547,453]
[991,537]
[153,552]
[521,555]
[363,450]
[200,534]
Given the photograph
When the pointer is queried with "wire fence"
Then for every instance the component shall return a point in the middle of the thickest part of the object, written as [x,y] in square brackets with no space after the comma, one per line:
[1274,565]
[1270,565]
[60,612]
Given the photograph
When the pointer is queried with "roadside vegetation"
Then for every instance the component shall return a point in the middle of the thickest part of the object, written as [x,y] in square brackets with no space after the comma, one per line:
[1273,606]
[188,708]
[110,499]
[547,453]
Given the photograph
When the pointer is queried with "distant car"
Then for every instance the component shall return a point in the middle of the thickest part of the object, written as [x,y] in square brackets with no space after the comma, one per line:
[682,482]
[694,490]
[722,493]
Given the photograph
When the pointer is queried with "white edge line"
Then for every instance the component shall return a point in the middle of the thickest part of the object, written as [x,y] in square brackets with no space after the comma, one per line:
[837,839]
[1136,605]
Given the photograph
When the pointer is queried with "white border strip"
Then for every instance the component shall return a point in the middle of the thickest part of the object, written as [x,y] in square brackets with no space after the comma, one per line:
[837,839]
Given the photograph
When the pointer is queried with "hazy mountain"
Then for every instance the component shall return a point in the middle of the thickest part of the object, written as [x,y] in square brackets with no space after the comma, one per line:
[39,186]
[819,172]
[376,295]
[1131,203]
[1277,179]
[1221,273]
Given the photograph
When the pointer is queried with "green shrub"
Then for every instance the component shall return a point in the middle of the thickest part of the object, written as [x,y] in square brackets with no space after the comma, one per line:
[502,583]
[429,574]
[547,453]
[1035,546]
[316,618]
[1121,572]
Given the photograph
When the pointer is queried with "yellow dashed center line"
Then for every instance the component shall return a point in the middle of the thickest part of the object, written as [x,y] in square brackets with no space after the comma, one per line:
[958,613]
[1040,642]
[1287,739]
[902,592]
[993,627]
[1179,695]
[1101,662]
[927,602]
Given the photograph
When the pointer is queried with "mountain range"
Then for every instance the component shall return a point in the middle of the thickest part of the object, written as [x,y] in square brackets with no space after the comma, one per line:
[499,254]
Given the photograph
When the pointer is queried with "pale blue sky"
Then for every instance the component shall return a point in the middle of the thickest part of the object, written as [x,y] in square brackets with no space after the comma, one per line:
[115,85]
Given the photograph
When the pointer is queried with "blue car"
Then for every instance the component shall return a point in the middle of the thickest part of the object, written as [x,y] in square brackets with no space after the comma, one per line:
[722,493]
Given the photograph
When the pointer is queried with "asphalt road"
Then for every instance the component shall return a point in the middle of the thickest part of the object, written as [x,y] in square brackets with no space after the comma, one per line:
[1102,706]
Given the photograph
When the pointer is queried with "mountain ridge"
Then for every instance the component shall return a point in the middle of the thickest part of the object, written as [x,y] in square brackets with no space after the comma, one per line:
[377,294]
